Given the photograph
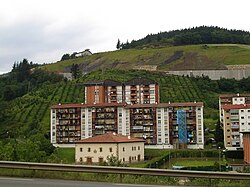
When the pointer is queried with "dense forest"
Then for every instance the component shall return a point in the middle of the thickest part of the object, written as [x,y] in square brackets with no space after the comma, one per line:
[195,35]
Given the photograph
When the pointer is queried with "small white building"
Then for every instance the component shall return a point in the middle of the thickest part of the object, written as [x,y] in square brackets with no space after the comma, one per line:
[96,149]
[86,52]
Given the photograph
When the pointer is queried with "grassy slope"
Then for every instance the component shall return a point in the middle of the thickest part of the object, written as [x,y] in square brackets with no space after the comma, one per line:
[215,56]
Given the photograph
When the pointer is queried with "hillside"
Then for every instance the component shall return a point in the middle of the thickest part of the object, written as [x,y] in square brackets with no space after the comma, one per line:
[189,57]
[25,120]
[190,36]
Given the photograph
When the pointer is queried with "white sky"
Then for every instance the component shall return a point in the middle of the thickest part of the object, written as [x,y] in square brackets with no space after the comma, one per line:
[43,30]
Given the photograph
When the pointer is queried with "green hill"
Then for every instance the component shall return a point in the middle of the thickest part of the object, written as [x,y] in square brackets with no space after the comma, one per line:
[25,121]
[189,57]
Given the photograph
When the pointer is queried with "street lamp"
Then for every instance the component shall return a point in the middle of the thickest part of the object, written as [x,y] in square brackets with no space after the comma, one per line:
[219,159]
[169,157]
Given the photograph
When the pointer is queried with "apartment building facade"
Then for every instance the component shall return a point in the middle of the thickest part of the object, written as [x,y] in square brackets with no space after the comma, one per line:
[176,125]
[234,99]
[134,91]
[112,107]
[236,120]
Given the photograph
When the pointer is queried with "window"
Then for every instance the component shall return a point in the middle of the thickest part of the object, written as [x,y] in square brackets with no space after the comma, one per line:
[134,148]
[110,149]
[242,110]
[123,149]
[139,148]
[123,159]
[80,149]
[89,149]
[100,149]
[80,159]
[100,160]
[242,117]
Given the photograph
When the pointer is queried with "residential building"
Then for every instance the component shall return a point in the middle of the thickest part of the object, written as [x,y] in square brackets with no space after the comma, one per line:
[169,125]
[97,149]
[234,99]
[135,91]
[86,52]
[236,119]
[107,91]
[130,109]
[141,91]
[65,123]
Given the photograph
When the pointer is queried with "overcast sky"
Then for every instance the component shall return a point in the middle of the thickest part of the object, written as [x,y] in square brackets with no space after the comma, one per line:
[43,30]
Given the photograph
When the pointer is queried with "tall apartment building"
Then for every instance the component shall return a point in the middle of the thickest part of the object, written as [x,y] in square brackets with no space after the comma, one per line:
[135,91]
[107,91]
[233,110]
[65,123]
[234,99]
[236,119]
[176,125]
[133,109]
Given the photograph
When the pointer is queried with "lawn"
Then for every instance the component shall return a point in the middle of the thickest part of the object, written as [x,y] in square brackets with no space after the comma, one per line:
[195,162]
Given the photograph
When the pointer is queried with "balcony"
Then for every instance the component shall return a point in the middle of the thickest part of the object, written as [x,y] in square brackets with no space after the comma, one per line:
[235,126]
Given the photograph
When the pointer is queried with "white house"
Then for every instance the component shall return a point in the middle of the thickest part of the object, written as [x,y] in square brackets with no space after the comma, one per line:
[86,52]
[96,149]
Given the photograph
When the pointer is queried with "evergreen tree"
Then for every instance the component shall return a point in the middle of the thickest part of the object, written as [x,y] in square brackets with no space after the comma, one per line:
[75,71]
[118,45]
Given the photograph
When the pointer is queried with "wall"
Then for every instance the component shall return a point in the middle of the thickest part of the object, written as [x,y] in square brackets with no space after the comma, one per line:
[117,150]
[214,74]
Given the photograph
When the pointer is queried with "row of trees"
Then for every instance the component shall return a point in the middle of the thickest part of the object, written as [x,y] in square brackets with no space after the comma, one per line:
[24,77]
[195,35]
[223,85]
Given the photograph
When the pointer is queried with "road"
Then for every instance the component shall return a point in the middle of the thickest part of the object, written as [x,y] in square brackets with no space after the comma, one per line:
[28,182]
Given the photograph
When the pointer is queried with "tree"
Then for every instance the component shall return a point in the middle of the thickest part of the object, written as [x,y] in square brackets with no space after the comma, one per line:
[118,45]
[75,71]
[219,136]
[65,57]
[113,161]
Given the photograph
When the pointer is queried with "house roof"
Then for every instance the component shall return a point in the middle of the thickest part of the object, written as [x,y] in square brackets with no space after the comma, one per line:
[102,83]
[110,138]
[87,105]
[139,81]
[234,95]
[161,105]
[67,106]
[231,106]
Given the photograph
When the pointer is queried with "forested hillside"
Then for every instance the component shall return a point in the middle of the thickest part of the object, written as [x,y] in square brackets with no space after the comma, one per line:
[195,35]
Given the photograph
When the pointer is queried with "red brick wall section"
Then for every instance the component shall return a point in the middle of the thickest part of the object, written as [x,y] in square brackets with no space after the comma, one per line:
[90,94]
[246,142]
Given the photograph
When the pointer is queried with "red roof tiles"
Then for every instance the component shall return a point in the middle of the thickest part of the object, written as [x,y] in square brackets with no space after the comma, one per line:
[110,138]
[231,106]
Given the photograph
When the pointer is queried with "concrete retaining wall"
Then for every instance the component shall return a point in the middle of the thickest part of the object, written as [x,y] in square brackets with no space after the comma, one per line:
[214,74]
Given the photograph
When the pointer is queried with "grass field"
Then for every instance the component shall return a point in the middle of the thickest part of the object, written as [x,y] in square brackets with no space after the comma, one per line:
[213,56]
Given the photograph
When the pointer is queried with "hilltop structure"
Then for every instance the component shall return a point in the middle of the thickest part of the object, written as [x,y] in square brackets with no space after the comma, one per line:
[131,109]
